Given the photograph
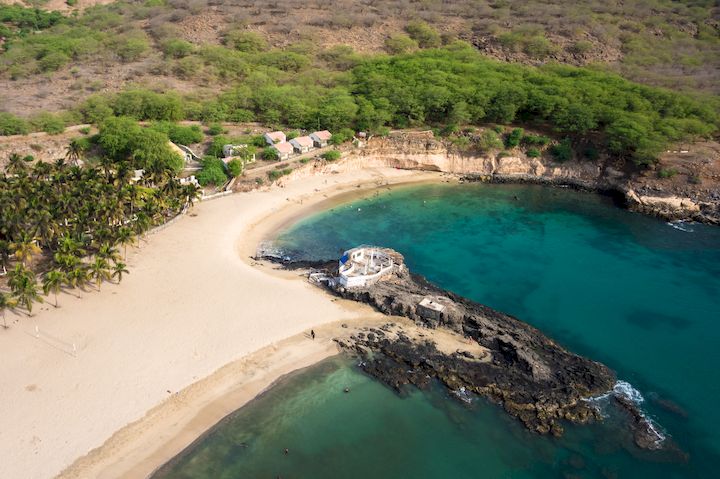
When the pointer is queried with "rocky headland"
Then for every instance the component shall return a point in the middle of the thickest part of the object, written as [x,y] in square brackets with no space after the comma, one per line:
[493,354]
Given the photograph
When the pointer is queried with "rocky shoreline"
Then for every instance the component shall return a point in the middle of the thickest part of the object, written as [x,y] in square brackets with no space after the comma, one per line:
[496,355]
[692,193]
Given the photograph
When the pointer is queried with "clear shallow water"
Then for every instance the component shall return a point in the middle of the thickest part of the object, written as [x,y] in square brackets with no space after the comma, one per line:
[627,290]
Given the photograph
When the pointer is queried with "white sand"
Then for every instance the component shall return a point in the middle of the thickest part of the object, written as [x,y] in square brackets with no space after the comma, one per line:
[191,305]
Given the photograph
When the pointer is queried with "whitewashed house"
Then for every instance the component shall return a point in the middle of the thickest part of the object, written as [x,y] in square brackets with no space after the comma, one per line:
[302,144]
[284,150]
[321,138]
[365,265]
[274,137]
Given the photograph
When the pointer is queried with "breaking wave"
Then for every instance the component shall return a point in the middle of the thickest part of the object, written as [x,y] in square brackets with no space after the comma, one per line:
[682,225]
[627,391]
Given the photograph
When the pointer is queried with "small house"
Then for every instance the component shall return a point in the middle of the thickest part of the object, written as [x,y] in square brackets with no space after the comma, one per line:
[274,137]
[302,144]
[284,150]
[321,138]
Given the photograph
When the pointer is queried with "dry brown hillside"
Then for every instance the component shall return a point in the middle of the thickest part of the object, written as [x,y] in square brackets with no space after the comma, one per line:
[660,42]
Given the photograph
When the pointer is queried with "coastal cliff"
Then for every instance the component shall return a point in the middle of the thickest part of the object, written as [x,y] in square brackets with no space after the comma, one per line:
[694,195]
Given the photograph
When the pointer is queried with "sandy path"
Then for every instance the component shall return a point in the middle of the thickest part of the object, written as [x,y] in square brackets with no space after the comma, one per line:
[190,306]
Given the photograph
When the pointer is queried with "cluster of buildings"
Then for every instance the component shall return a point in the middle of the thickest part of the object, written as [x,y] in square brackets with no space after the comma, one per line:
[301,144]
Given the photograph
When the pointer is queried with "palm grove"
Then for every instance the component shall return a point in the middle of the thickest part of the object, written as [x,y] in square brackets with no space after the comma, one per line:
[64,225]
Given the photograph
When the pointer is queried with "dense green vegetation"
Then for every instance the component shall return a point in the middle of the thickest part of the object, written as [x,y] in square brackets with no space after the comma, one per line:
[61,224]
[302,86]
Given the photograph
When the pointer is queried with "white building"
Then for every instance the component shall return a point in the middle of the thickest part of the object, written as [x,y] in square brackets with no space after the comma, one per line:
[321,138]
[302,144]
[284,150]
[364,265]
[274,137]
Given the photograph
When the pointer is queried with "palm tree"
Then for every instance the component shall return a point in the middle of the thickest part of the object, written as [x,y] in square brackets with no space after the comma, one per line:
[5,303]
[99,271]
[53,281]
[26,247]
[75,151]
[118,270]
[24,287]
[17,164]
[125,237]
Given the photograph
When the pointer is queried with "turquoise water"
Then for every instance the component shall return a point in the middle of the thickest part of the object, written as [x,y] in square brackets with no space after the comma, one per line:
[631,291]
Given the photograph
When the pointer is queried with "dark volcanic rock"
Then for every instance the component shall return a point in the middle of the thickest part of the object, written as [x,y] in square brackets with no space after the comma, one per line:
[531,376]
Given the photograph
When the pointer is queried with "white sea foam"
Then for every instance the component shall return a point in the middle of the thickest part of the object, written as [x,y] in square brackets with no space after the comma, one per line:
[626,390]
[682,225]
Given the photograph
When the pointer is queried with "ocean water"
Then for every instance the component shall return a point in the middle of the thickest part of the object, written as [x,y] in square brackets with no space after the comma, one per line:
[636,293]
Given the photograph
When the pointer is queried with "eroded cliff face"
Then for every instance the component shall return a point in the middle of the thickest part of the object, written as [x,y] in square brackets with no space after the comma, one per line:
[421,151]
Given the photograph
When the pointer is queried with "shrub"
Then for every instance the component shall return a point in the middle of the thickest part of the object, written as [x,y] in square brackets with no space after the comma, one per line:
[562,152]
[580,47]
[533,153]
[71,3]
[535,140]
[235,167]
[424,34]
[275,174]
[215,129]
[176,48]
[12,125]
[130,47]
[184,135]
[216,146]
[331,155]
[489,140]
[667,173]
[339,137]
[270,154]
[95,109]
[513,138]
[400,43]
[48,122]
[246,41]
[292,134]
[85,130]
[212,173]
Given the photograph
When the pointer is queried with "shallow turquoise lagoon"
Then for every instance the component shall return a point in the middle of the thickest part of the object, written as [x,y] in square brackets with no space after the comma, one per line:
[636,293]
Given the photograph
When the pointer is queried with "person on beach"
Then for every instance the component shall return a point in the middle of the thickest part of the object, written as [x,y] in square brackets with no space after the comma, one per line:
[312,334]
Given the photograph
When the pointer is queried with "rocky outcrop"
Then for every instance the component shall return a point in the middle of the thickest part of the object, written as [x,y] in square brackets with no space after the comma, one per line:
[494,355]
[531,376]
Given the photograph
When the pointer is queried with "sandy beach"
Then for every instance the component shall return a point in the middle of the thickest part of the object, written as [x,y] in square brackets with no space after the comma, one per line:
[117,381]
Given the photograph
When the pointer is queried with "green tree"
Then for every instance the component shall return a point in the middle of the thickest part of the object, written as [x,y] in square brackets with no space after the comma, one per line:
[24,287]
[119,269]
[52,282]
